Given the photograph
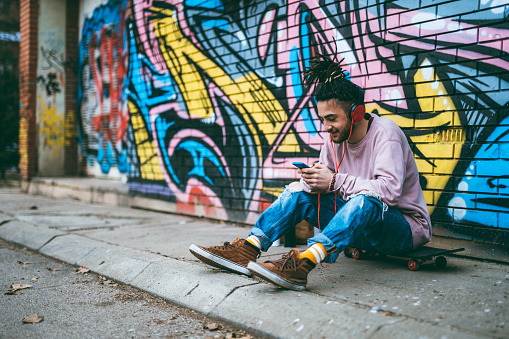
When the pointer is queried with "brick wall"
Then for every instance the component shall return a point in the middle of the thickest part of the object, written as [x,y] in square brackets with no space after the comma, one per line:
[71,161]
[217,112]
[27,84]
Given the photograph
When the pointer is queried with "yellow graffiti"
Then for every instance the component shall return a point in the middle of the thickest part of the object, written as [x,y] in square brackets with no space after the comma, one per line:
[23,145]
[150,167]
[71,132]
[51,127]
[441,150]
[248,93]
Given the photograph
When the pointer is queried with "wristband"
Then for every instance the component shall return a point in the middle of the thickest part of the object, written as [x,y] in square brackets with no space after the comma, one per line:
[332,182]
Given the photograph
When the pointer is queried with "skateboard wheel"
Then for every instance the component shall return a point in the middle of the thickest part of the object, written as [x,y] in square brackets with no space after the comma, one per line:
[356,254]
[413,265]
[441,262]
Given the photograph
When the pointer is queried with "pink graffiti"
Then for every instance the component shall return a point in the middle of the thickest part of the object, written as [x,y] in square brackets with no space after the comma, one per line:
[149,41]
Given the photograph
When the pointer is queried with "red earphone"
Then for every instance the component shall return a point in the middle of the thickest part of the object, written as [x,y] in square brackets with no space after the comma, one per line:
[357,111]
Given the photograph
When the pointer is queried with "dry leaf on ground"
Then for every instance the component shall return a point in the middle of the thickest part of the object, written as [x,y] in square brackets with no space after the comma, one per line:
[34,318]
[82,270]
[108,282]
[53,269]
[24,262]
[16,287]
[34,279]
[212,326]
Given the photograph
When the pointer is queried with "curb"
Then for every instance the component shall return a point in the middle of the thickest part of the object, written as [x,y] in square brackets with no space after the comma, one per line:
[239,300]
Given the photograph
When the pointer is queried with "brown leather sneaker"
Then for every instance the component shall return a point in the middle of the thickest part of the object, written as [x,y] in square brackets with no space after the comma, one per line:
[233,257]
[288,272]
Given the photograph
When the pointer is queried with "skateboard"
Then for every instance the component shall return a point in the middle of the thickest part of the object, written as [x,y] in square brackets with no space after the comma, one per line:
[416,258]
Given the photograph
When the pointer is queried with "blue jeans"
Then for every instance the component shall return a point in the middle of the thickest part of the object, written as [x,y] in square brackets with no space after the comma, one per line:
[361,222]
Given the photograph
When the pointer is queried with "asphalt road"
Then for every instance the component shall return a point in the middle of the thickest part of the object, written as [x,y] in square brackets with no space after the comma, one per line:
[78,305]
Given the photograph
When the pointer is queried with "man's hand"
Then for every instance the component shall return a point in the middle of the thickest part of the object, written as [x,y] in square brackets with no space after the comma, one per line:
[318,176]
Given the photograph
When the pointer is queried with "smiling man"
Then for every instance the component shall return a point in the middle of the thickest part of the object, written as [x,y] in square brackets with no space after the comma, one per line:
[364,192]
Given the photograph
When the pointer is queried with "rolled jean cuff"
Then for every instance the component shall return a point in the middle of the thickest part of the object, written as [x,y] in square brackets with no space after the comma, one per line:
[327,244]
[264,240]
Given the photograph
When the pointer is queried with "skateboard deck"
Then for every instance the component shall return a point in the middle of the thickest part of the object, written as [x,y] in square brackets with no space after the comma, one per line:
[416,258]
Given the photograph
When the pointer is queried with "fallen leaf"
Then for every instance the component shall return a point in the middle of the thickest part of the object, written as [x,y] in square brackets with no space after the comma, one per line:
[34,318]
[34,279]
[385,313]
[16,287]
[24,262]
[82,270]
[212,326]
[53,269]
[109,283]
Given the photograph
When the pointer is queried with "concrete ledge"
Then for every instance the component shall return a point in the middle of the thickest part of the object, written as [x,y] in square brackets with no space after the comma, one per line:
[71,248]
[188,284]
[117,262]
[95,191]
[27,235]
[152,204]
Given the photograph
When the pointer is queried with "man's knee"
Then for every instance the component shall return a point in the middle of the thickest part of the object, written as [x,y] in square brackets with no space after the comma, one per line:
[362,201]
[365,202]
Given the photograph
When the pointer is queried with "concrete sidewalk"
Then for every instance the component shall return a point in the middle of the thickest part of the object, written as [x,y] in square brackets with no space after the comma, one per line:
[372,298]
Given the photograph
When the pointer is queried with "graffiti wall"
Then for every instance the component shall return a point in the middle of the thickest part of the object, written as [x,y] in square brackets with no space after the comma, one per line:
[102,86]
[212,111]
[51,89]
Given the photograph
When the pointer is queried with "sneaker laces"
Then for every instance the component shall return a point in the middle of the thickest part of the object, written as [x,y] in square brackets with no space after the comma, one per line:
[228,246]
[281,263]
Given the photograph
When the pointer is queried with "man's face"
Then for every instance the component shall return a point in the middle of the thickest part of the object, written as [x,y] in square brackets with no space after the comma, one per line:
[336,121]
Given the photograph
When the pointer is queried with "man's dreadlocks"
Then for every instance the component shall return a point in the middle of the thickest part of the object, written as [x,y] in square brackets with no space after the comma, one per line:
[331,83]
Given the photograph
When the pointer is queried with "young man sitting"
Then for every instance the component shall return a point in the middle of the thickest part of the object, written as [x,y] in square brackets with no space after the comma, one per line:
[364,192]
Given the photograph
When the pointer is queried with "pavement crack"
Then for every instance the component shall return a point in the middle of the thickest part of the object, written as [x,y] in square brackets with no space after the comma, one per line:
[191,291]
[50,240]
[376,330]
[237,287]
[6,221]
[93,228]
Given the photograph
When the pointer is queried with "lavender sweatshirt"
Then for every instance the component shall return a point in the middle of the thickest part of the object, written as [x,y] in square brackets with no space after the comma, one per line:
[383,163]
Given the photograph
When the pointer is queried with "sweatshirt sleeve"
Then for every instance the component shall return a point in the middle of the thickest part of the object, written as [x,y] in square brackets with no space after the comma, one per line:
[306,187]
[389,175]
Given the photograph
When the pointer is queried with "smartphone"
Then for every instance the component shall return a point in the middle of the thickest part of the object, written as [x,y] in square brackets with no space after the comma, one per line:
[300,165]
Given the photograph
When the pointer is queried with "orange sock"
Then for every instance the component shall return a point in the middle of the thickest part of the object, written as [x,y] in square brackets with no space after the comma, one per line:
[253,240]
[315,253]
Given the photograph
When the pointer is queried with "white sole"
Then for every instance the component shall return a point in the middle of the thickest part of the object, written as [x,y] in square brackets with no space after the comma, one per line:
[217,261]
[260,271]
